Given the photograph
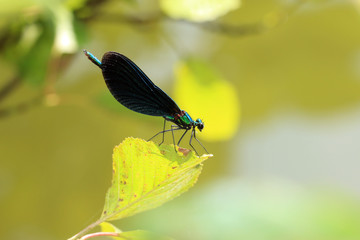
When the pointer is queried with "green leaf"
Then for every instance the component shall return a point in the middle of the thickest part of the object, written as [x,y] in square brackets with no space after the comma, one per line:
[145,176]
[200,10]
[7,8]
[33,64]
[74,4]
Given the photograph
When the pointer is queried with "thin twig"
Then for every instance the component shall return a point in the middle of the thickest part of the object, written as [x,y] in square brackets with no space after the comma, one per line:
[21,107]
[85,230]
[9,87]
[99,234]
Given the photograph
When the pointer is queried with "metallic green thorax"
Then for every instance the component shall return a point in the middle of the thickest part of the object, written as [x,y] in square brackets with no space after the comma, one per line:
[184,121]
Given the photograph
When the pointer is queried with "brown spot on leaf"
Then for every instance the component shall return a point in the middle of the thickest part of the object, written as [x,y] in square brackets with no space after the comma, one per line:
[184,151]
[121,199]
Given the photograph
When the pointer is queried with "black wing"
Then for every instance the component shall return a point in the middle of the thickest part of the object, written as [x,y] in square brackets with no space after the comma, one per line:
[133,89]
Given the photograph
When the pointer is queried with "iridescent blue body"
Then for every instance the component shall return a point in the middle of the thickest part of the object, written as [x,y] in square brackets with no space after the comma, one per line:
[132,88]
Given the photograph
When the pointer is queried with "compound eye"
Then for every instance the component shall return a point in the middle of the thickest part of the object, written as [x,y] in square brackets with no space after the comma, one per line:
[199,124]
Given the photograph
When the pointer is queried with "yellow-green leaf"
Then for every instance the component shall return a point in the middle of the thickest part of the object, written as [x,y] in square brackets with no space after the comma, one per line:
[145,176]
[109,230]
[200,10]
[205,94]
[108,227]
[142,235]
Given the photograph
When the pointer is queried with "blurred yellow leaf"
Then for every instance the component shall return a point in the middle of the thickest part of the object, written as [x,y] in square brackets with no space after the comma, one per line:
[204,94]
[200,10]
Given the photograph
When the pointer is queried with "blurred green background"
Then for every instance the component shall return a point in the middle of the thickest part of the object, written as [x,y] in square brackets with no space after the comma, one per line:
[277,84]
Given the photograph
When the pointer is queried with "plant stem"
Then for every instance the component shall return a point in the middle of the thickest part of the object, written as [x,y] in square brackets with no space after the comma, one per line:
[85,230]
[98,234]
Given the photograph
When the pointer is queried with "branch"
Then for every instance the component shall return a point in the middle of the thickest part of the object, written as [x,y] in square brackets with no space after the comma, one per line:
[9,87]
[21,107]
[258,27]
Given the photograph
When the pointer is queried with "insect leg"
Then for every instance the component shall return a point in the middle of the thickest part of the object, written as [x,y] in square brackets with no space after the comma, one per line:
[192,134]
[168,130]
[172,132]
[182,137]
[163,133]
[200,142]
